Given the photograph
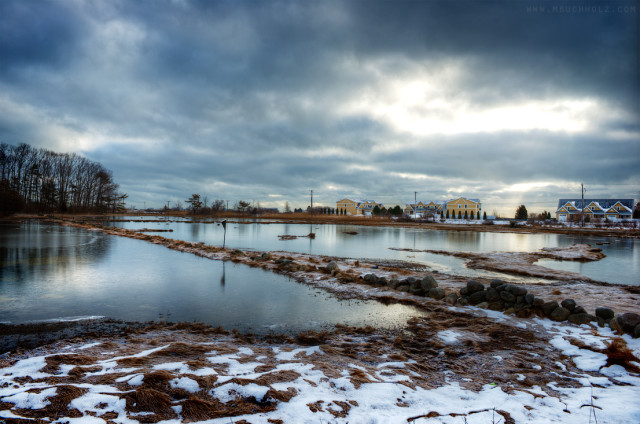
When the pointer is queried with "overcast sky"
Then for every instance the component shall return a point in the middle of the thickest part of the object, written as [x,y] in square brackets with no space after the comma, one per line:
[507,101]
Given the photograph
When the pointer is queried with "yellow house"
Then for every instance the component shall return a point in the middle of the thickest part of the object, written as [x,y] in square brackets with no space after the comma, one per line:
[459,206]
[356,207]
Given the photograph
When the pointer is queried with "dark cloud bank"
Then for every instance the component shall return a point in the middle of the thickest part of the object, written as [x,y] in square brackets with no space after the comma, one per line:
[266,100]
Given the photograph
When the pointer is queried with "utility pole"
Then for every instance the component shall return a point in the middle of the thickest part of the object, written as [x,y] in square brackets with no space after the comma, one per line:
[582,206]
[227,210]
[415,197]
[311,210]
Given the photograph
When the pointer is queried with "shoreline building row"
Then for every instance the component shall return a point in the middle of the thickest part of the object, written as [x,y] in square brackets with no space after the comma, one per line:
[456,208]
[611,209]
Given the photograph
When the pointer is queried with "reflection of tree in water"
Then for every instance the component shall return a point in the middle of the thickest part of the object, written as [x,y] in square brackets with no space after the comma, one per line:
[31,250]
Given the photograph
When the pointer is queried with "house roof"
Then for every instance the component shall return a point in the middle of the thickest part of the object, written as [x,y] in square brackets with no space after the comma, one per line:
[465,198]
[603,203]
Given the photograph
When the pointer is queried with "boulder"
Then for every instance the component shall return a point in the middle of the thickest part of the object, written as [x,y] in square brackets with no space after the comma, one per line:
[393,283]
[496,283]
[605,313]
[478,297]
[428,283]
[436,293]
[560,314]
[519,299]
[549,307]
[581,318]
[579,310]
[463,301]
[518,290]
[464,291]
[265,256]
[483,305]
[451,298]
[403,287]
[507,296]
[636,331]
[370,279]
[569,304]
[474,286]
[412,281]
[492,294]
[537,302]
[529,298]
[628,322]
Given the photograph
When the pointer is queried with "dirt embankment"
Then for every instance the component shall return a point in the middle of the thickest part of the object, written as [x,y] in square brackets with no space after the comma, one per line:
[523,263]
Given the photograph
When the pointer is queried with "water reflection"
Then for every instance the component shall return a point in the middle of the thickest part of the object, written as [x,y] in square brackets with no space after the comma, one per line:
[52,272]
[622,264]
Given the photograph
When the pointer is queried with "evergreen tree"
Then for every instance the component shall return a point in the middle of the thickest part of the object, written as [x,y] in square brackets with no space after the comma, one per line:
[521,212]
[447,214]
[459,215]
[466,215]
[484,215]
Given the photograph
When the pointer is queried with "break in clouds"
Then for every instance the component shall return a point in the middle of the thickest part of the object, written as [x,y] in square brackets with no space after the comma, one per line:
[263,101]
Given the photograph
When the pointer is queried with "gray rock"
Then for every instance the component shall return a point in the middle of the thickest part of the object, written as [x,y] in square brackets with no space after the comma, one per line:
[428,283]
[605,313]
[529,298]
[451,298]
[412,281]
[507,296]
[370,279]
[560,314]
[393,283]
[502,287]
[579,310]
[518,290]
[464,291]
[636,331]
[474,286]
[628,321]
[581,318]
[569,304]
[537,302]
[478,297]
[483,305]
[508,305]
[492,294]
[549,307]
[265,256]
[496,283]
[463,301]
[519,299]
[436,293]
[331,266]
[403,287]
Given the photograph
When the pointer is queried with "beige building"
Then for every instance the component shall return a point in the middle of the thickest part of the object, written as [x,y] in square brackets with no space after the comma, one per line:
[459,206]
[356,207]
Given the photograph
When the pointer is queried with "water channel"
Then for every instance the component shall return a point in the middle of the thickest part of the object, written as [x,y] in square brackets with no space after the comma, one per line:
[51,272]
[621,265]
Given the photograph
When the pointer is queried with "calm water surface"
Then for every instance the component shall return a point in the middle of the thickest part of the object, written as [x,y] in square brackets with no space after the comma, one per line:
[622,264]
[53,272]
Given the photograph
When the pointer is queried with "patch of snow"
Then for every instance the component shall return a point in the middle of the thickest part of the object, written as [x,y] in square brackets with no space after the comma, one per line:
[449,336]
[228,392]
[185,383]
[26,400]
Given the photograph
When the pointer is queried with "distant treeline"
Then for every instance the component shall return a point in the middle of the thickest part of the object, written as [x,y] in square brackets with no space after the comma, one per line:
[40,180]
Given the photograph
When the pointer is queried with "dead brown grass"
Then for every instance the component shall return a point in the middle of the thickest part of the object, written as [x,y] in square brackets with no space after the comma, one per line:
[150,400]
[54,361]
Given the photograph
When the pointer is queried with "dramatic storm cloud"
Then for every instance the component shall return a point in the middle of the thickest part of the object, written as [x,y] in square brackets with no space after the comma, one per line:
[507,101]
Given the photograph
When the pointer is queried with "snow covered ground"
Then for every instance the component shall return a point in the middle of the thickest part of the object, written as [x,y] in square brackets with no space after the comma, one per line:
[457,368]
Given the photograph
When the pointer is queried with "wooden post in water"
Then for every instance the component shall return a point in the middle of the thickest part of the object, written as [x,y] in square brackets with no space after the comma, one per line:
[224,225]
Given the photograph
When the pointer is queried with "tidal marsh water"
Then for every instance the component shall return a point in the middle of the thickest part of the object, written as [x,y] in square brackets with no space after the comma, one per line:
[52,272]
[621,265]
